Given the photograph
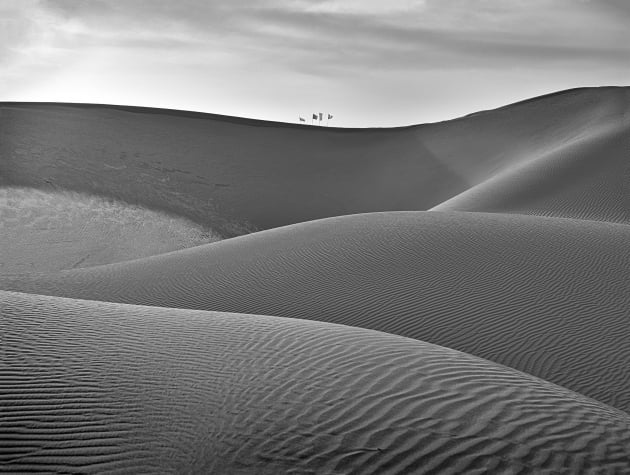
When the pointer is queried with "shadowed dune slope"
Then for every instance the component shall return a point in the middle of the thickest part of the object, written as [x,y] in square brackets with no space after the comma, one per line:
[547,296]
[227,174]
[92,387]
[234,175]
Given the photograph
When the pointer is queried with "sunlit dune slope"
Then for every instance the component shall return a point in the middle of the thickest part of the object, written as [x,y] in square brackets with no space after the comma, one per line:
[90,387]
[548,296]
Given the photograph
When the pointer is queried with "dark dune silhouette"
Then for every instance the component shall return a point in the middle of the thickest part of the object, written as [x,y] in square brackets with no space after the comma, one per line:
[186,292]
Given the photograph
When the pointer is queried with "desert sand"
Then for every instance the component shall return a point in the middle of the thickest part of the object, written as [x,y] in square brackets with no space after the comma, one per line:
[185,292]
[94,386]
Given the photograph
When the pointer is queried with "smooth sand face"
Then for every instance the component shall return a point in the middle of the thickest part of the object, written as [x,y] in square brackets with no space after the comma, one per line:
[523,266]
[585,178]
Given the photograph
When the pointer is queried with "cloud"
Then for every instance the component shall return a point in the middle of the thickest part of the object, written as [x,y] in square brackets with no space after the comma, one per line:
[238,46]
[369,7]
[442,35]
[29,42]
[355,34]
[16,26]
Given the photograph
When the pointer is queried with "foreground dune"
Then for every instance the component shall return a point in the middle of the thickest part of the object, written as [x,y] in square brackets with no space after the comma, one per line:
[546,296]
[92,387]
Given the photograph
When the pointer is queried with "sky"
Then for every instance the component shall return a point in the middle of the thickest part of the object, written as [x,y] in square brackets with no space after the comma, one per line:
[369,63]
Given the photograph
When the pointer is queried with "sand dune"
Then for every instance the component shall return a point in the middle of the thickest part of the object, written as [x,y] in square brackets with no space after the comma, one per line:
[128,344]
[546,296]
[585,178]
[91,387]
[234,175]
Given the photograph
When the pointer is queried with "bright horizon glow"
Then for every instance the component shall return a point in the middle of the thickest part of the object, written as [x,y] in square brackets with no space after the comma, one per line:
[414,61]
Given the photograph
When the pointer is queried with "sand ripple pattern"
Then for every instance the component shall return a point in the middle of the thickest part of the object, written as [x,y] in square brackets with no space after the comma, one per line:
[101,387]
[550,297]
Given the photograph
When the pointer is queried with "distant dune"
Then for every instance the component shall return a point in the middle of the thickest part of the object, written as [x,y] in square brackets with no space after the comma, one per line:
[186,292]
[231,173]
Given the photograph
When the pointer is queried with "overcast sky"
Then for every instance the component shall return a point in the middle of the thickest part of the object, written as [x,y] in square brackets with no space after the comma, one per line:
[368,62]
